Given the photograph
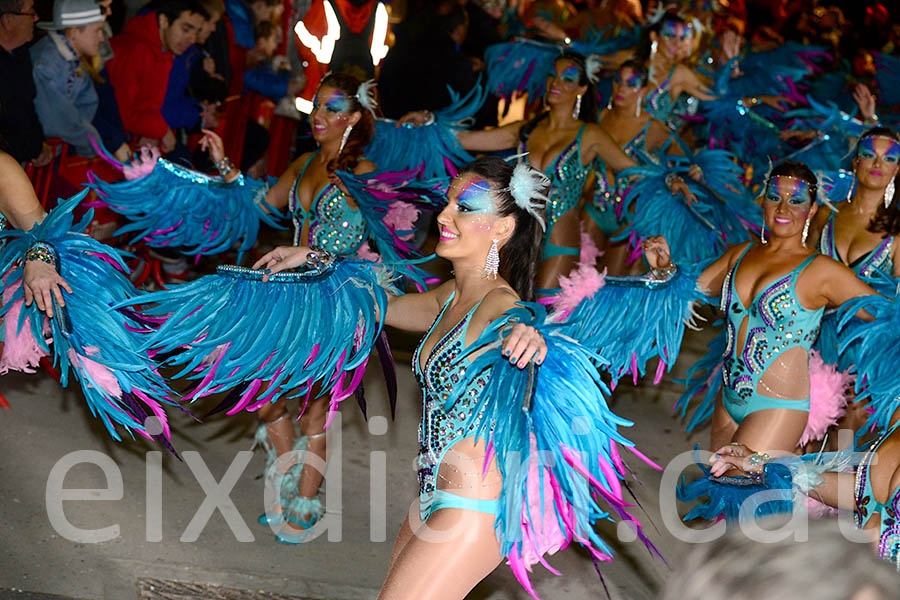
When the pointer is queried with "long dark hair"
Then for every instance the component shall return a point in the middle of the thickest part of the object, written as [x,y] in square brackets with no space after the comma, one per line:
[589,108]
[521,254]
[362,132]
[886,220]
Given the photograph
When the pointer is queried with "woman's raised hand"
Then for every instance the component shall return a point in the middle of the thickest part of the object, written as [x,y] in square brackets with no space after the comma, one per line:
[281,259]
[657,253]
[524,344]
[212,143]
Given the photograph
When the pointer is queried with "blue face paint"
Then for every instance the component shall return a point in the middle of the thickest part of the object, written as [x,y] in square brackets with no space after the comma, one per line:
[475,197]
[570,74]
[867,150]
[337,102]
[794,189]
[672,30]
[634,80]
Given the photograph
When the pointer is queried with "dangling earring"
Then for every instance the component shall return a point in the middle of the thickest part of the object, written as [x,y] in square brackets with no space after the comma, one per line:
[805,231]
[653,47]
[852,188]
[637,109]
[889,193]
[492,262]
[762,235]
[344,138]
[609,104]
[577,110]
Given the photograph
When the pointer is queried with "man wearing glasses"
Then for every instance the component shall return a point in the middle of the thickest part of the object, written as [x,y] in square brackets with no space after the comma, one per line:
[20,129]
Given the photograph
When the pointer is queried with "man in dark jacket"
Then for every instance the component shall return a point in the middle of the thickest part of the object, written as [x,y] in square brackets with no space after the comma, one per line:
[20,128]
[139,71]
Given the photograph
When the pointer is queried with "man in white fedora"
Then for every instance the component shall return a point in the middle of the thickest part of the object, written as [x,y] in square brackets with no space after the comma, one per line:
[66,100]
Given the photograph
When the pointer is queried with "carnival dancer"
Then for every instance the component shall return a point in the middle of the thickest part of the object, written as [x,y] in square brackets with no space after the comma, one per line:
[57,286]
[765,396]
[474,506]
[562,141]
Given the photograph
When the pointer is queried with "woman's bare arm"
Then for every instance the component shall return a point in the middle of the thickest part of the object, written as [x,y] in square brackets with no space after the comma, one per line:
[18,201]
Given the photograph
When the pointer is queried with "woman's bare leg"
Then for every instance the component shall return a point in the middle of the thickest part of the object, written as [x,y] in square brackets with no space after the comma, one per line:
[723,427]
[445,558]
[312,425]
[772,429]
[278,425]
[403,536]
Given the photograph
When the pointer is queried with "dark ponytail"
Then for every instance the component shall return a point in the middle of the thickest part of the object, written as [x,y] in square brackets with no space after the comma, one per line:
[521,254]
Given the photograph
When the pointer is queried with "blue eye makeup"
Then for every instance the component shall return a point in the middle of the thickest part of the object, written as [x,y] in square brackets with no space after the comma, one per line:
[798,189]
[570,74]
[633,81]
[867,149]
[336,103]
[675,31]
[475,197]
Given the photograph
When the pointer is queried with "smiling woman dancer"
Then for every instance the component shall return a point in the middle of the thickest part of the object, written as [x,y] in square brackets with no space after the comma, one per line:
[326,217]
[774,295]
[469,515]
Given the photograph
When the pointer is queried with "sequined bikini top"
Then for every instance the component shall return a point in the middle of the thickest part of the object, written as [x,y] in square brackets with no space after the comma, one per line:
[866,265]
[776,321]
[441,427]
[867,506]
[333,225]
[638,143]
[567,176]
[659,101]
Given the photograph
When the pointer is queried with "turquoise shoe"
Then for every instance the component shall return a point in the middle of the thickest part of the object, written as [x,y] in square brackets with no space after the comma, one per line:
[270,519]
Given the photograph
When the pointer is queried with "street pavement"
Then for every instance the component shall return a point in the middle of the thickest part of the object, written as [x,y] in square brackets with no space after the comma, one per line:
[156,544]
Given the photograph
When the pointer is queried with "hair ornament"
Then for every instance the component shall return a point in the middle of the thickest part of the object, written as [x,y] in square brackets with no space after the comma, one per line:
[365,95]
[657,15]
[528,188]
[593,66]
[821,194]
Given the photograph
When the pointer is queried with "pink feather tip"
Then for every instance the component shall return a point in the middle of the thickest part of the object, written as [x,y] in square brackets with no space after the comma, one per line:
[583,282]
[828,390]
[143,165]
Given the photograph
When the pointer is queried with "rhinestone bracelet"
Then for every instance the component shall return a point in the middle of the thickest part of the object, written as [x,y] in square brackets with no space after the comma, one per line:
[224,166]
[42,252]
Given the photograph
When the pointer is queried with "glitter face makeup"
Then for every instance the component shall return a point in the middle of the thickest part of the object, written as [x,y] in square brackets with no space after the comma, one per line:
[675,31]
[336,103]
[796,190]
[570,74]
[867,150]
[475,198]
[634,80]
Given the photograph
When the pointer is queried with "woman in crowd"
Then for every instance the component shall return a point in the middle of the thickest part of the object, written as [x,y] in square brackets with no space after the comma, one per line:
[563,141]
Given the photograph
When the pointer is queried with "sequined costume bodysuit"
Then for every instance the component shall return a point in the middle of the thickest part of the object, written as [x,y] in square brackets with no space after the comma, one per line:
[606,208]
[867,265]
[659,101]
[3,222]
[442,427]
[330,222]
[567,177]
[775,322]
[867,506]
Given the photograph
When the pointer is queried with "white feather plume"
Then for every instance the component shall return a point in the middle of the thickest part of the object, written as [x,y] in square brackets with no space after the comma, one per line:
[366,95]
[528,187]
[593,66]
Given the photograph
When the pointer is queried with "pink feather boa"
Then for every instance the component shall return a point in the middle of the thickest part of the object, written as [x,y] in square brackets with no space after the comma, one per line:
[582,282]
[21,352]
[828,389]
